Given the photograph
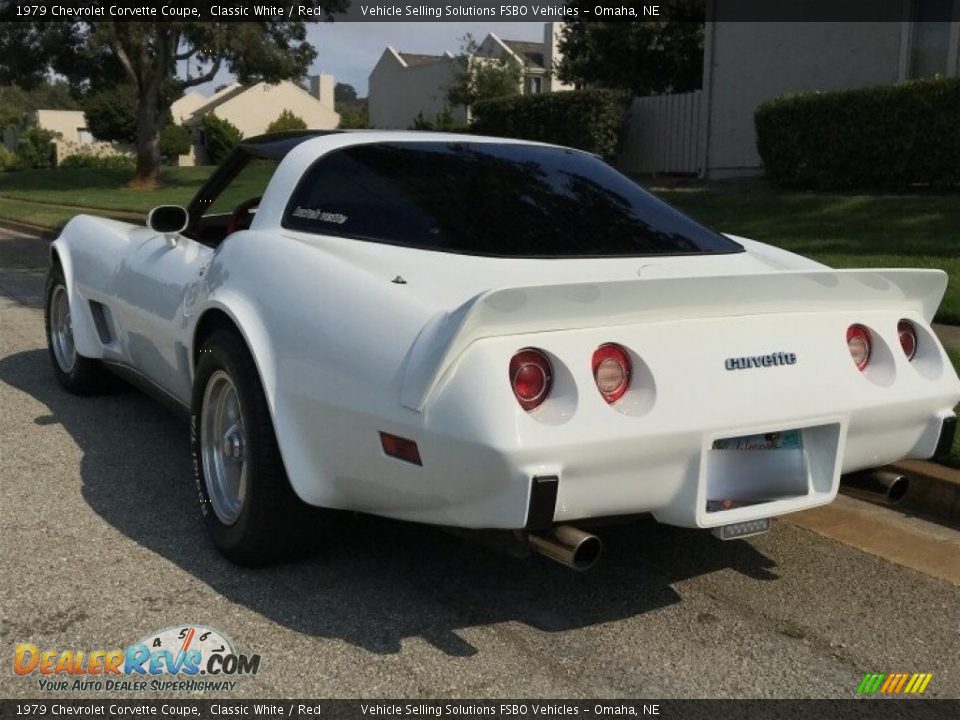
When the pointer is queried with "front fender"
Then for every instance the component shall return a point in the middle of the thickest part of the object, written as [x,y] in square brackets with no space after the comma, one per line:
[84,332]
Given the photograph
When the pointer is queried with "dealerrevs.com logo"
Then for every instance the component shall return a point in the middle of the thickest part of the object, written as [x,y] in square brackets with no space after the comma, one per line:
[181,658]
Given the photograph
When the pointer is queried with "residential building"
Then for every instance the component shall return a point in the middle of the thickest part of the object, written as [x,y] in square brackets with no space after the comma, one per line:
[405,86]
[712,133]
[251,109]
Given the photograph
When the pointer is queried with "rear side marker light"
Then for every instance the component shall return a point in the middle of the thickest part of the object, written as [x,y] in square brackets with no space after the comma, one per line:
[611,371]
[908,338]
[531,377]
[400,448]
[858,342]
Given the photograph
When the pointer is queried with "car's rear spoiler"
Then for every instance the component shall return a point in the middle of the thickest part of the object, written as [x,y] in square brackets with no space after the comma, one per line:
[542,308]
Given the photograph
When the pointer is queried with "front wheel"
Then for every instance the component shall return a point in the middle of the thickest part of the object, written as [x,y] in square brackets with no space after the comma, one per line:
[251,513]
[77,374]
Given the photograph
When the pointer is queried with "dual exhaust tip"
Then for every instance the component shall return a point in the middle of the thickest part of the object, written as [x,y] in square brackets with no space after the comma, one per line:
[883,485]
[568,546]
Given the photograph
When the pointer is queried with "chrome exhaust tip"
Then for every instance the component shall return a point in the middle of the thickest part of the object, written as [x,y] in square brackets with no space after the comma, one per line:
[568,546]
[888,486]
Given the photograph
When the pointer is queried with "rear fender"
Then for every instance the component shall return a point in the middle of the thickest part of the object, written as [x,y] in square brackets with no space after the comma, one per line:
[253,330]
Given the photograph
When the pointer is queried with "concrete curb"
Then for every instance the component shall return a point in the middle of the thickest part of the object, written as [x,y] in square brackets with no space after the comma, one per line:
[27,229]
[934,491]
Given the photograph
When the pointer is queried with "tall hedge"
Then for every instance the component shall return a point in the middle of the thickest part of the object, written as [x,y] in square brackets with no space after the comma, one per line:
[591,120]
[874,138]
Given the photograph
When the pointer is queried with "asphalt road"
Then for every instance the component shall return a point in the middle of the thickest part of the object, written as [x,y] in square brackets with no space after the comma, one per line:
[101,544]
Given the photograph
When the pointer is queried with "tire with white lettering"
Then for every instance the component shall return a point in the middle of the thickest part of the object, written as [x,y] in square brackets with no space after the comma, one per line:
[249,508]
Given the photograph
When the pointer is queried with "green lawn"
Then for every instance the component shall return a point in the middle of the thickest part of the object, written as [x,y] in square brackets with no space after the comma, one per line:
[103,189]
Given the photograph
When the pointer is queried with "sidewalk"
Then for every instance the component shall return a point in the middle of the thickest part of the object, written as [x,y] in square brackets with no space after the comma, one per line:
[949,335]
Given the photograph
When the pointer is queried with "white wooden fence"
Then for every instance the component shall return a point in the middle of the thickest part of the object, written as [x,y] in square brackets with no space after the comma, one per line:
[663,135]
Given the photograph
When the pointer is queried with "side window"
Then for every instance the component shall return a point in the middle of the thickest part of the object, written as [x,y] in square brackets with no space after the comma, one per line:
[248,184]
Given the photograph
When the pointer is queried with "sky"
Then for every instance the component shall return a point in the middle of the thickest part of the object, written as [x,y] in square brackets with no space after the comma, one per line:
[349,50]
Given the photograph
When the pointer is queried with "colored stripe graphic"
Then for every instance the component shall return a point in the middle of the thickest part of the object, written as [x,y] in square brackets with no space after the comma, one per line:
[894,683]
[870,683]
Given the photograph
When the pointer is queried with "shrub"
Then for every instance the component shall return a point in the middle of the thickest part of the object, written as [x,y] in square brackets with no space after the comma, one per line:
[174,140]
[443,121]
[353,115]
[221,137]
[591,120]
[285,122]
[8,161]
[89,160]
[35,148]
[873,138]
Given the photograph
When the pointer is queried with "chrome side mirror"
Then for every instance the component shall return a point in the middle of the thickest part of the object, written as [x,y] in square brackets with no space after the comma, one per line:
[169,220]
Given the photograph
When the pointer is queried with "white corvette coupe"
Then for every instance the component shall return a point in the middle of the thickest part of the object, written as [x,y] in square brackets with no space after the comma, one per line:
[492,334]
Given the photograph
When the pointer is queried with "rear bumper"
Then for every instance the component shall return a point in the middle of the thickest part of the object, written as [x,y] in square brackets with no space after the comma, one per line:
[948,431]
[675,477]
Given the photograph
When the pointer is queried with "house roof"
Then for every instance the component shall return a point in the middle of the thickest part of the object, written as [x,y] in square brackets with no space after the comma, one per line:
[412,59]
[217,99]
[531,52]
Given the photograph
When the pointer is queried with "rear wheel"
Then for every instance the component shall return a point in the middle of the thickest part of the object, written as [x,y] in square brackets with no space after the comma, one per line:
[251,513]
[77,374]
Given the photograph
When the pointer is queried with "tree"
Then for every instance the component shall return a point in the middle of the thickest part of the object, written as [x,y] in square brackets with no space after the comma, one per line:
[222,137]
[643,57]
[112,114]
[147,54]
[285,122]
[25,49]
[342,92]
[482,78]
[354,116]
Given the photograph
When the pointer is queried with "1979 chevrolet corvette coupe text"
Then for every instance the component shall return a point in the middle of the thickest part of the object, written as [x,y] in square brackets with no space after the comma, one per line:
[493,334]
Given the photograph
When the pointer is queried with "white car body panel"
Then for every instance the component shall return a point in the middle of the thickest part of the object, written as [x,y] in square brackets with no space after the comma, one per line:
[344,353]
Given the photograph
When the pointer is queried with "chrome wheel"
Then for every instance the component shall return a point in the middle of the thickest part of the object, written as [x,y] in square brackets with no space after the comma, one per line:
[223,447]
[61,329]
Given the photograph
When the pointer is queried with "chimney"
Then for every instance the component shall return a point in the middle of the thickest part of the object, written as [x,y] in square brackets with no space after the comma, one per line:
[552,55]
[321,87]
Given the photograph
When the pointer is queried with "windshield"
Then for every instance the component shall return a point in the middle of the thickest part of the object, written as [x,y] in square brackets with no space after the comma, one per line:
[506,200]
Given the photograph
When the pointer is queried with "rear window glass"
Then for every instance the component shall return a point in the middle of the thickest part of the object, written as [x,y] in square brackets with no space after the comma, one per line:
[490,199]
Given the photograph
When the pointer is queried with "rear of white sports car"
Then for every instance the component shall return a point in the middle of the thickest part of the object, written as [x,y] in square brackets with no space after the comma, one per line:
[598,354]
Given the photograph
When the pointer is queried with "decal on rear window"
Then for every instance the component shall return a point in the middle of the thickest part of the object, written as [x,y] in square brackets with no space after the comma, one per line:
[318,214]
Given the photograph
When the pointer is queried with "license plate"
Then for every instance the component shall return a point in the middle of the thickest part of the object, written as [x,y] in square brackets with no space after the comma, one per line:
[783,440]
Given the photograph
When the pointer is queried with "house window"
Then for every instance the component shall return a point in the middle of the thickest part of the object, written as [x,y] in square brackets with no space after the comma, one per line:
[84,136]
[534,85]
[930,38]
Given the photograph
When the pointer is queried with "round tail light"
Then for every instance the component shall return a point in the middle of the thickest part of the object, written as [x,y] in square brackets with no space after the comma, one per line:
[908,338]
[611,371]
[858,342]
[530,377]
